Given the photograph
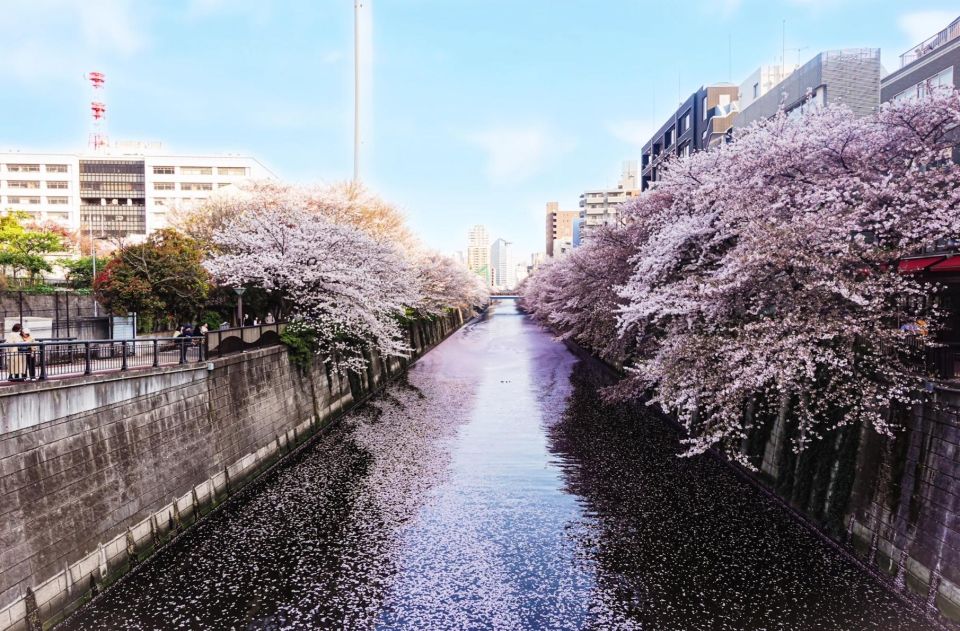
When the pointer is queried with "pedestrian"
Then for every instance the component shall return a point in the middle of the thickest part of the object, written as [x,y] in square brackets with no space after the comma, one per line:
[30,351]
[17,361]
[270,319]
[204,329]
[256,322]
[247,321]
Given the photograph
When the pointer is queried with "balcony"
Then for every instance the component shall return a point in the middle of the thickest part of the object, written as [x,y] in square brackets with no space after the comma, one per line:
[928,46]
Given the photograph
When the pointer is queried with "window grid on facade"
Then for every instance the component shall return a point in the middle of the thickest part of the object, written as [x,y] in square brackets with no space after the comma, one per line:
[164,186]
[57,168]
[23,184]
[57,184]
[231,170]
[23,168]
[196,170]
[163,170]
[196,186]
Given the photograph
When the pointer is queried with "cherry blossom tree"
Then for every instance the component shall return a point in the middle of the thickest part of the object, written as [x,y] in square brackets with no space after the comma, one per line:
[445,284]
[346,288]
[336,272]
[765,278]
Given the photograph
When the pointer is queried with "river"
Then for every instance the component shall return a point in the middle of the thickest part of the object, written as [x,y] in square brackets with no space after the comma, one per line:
[492,489]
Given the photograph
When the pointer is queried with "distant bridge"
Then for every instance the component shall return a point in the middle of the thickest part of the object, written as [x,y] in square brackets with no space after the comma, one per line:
[504,297]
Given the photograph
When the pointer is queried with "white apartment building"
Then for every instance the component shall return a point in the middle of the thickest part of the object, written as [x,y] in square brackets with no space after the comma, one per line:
[125,191]
[503,272]
[600,207]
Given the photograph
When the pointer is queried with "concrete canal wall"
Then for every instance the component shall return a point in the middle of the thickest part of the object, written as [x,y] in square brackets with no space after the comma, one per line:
[895,500]
[97,472]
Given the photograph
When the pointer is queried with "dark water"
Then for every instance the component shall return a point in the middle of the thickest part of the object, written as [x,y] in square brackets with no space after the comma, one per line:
[492,490]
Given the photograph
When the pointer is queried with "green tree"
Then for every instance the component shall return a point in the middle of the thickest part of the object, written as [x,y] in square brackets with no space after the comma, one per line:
[79,272]
[158,278]
[23,246]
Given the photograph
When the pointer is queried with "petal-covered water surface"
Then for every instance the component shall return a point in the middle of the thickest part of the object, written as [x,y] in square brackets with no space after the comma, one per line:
[492,489]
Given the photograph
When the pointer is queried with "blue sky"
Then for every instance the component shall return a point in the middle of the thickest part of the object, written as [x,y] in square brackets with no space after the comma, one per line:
[477,111]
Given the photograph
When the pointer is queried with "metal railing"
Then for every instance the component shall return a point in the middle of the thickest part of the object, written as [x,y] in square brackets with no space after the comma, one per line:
[224,341]
[929,45]
[42,360]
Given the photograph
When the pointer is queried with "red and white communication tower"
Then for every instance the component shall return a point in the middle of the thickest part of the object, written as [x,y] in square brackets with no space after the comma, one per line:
[98,110]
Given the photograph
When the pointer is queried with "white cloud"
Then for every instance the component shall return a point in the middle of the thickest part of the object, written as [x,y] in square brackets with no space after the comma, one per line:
[919,25]
[74,36]
[635,132]
[515,154]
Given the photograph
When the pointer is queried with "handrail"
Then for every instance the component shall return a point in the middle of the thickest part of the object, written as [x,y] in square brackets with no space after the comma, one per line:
[52,359]
[951,32]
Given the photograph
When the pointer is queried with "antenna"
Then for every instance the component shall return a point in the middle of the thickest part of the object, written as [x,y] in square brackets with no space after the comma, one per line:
[357,5]
[98,111]
[730,57]
[783,50]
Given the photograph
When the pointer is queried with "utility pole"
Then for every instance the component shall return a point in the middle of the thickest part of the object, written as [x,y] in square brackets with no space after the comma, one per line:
[357,5]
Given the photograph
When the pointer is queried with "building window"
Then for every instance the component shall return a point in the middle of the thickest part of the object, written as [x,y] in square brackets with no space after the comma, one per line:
[703,105]
[23,184]
[160,201]
[232,171]
[224,184]
[163,170]
[13,200]
[196,170]
[668,138]
[196,186]
[756,90]
[56,168]
[645,160]
[23,168]
[30,200]
[57,184]
[164,186]
[58,201]
[684,150]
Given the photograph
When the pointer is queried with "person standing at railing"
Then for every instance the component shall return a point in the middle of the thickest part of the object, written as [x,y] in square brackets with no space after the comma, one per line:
[269,319]
[30,351]
[16,361]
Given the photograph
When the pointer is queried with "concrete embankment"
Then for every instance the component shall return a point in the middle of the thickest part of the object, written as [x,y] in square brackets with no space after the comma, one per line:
[96,473]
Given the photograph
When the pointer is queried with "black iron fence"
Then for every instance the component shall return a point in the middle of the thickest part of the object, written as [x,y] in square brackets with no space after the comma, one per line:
[43,360]
[60,358]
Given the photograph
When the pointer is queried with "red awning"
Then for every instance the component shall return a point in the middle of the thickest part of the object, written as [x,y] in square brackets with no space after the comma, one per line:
[911,266]
[952,264]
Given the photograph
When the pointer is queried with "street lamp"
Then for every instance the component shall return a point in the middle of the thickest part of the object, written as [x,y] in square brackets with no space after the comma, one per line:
[239,291]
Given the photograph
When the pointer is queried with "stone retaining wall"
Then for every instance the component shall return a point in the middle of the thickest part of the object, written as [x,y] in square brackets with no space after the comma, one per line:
[97,472]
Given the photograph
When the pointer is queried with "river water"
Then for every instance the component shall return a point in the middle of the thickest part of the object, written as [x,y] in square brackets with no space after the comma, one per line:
[491,489]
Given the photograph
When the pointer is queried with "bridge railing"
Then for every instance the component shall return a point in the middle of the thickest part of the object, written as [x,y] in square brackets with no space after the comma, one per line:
[224,341]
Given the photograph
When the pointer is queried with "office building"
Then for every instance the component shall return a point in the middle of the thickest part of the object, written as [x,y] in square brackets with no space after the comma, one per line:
[700,121]
[502,269]
[124,191]
[559,225]
[478,253]
[850,77]
[601,207]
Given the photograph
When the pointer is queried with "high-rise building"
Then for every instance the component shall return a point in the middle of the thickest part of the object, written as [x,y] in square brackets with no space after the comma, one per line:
[850,77]
[124,191]
[502,270]
[523,270]
[699,122]
[478,253]
[600,207]
[559,225]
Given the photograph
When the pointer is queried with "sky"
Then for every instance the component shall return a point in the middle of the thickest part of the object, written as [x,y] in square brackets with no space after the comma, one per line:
[473,111]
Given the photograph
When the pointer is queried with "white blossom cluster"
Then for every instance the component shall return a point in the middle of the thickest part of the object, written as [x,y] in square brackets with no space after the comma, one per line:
[762,275]
[349,284]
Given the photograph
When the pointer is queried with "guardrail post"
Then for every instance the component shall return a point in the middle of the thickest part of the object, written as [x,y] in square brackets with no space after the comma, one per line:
[86,358]
[123,355]
[156,352]
[43,361]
